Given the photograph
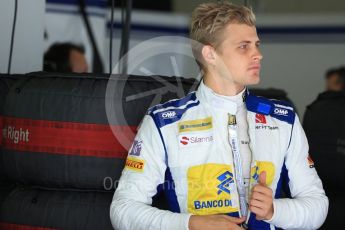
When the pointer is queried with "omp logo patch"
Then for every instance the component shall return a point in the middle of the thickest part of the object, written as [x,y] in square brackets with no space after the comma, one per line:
[225,179]
[195,125]
[260,166]
[211,190]
[16,135]
[169,114]
[135,164]
[195,139]
[260,118]
[281,112]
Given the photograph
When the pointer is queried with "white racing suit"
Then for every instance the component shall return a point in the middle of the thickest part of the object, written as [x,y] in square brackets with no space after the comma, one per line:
[183,145]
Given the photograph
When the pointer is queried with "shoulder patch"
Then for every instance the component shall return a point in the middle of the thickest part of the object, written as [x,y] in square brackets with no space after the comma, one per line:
[172,111]
[277,109]
[135,164]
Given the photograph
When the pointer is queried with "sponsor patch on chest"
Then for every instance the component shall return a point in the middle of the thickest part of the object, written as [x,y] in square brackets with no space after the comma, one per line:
[262,166]
[195,125]
[193,139]
[211,189]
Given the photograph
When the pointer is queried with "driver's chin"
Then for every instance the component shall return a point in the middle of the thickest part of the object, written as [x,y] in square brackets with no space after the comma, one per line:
[253,80]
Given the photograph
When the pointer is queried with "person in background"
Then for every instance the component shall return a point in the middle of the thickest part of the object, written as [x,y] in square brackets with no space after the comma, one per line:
[335,79]
[65,58]
[324,127]
[222,154]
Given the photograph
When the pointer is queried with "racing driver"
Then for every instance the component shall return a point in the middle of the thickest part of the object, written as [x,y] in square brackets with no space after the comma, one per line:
[222,155]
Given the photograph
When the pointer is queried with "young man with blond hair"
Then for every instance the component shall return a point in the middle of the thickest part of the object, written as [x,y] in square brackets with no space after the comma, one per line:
[224,154]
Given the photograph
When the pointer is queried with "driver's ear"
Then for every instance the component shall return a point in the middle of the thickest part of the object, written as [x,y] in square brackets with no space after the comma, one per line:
[209,54]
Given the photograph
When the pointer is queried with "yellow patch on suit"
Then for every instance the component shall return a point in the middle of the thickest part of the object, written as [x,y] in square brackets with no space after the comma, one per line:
[195,125]
[135,164]
[260,166]
[211,189]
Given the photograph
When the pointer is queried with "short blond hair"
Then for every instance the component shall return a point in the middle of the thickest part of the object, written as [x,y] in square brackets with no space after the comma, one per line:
[209,21]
